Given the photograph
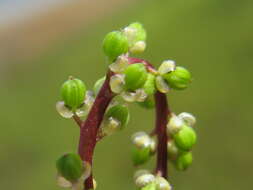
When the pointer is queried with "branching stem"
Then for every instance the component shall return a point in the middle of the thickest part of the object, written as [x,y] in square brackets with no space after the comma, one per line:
[90,127]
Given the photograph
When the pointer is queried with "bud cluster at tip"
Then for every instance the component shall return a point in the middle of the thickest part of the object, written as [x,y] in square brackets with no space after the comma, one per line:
[183,138]
[131,39]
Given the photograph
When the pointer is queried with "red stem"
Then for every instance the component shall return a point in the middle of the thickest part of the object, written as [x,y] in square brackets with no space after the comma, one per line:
[77,120]
[162,113]
[89,128]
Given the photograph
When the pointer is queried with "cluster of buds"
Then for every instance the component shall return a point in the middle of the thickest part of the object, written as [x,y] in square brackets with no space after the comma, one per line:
[183,138]
[145,180]
[171,76]
[134,81]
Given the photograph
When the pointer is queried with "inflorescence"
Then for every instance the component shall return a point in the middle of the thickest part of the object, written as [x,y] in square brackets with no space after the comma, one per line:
[131,80]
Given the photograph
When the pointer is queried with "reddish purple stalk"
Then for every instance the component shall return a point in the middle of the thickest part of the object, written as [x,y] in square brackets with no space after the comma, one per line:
[89,128]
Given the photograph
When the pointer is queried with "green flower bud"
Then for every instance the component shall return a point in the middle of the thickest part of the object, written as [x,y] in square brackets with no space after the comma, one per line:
[120,113]
[70,166]
[178,79]
[185,138]
[149,85]
[115,44]
[135,76]
[73,93]
[183,161]
[149,103]
[141,155]
[150,186]
[98,84]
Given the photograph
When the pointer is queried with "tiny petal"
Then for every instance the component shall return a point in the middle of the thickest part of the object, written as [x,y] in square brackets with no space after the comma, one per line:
[138,47]
[140,95]
[94,184]
[166,67]
[139,173]
[153,145]
[119,65]
[88,102]
[188,118]
[129,96]
[62,182]
[174,125]
[144,180]
[141,140]
[63,110]
[110,125]
[161,85]
[117,83]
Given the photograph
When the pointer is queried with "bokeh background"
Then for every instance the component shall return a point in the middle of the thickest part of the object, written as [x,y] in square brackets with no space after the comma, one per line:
[43,42]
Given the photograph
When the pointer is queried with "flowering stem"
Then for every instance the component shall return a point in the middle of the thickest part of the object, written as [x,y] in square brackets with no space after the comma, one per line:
[89,128]
[162,113]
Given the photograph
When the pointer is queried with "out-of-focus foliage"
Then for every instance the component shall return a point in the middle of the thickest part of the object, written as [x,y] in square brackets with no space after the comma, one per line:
[212,38]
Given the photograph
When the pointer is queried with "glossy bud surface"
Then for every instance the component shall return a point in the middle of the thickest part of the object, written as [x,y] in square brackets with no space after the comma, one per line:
[73,93]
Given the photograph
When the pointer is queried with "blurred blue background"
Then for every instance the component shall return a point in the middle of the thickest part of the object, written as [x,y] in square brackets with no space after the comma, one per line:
[41,44]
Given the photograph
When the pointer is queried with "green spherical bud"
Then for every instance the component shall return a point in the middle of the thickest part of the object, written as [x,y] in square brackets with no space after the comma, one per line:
[178,79]
[115,44]
[70,166]
[141,155]
[135,76]
[183,161]
[98,84]
[120,113]
[149,103]
[185,138]
[73,93]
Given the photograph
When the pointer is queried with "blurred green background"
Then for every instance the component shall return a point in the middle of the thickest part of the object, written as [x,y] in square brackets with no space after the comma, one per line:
[212,38]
